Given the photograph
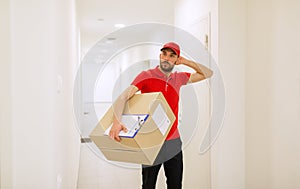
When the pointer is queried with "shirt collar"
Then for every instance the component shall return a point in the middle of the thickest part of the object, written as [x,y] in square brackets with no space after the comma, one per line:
[160,74]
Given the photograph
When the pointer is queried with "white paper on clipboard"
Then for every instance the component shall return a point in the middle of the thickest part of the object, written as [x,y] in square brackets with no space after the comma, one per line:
[132,122]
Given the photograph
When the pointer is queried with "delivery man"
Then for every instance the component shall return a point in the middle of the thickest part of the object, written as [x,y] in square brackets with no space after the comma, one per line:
[162,79]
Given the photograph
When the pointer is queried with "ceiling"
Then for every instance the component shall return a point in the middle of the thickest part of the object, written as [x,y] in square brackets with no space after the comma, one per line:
[97,18]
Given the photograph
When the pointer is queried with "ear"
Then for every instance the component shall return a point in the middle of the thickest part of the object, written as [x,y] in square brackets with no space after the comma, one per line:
[177,62]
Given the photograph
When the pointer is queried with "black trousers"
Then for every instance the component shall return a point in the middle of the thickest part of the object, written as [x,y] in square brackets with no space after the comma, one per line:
[173,171]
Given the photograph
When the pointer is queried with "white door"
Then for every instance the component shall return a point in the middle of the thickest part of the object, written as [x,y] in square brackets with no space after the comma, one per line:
[197,165]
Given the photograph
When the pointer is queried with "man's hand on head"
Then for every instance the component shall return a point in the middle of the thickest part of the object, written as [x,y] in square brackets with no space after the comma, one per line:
[180,60]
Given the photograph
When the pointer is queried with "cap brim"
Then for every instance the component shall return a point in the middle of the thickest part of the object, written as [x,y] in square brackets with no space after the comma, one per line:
[169,48]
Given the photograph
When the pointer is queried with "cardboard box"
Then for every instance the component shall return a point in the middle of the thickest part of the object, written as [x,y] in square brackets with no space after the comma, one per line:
[144,145]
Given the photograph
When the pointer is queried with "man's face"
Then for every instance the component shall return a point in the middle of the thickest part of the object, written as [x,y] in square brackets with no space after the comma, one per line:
[167,60]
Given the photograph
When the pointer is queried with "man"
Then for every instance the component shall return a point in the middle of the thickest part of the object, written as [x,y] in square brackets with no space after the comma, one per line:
[162,79]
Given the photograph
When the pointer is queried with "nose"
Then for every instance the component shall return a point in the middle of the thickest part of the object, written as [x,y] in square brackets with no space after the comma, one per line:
[167,58]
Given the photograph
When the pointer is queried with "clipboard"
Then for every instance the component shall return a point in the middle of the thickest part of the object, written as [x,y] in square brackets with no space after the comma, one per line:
[133,123]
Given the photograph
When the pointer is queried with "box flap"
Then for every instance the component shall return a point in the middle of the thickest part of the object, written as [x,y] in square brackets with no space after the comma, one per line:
[126,156]
[140,103]
[106,142]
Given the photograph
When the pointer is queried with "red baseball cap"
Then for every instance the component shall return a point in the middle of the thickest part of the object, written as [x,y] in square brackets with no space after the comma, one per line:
[173,46]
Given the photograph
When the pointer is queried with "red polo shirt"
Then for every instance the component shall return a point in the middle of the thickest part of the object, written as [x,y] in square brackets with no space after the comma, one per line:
[154,80]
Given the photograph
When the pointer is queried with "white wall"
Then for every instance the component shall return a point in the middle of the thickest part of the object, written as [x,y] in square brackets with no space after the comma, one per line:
[228,48]
[229,150]
[258,54]
[39,66]
[5,97]
[273,91]
[258,90]
[189,14]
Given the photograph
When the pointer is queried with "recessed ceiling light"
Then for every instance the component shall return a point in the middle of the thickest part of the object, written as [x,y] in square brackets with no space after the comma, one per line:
[111,38]
[119,25]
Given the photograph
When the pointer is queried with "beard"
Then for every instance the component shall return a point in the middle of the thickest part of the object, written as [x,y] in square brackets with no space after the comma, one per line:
[166,66]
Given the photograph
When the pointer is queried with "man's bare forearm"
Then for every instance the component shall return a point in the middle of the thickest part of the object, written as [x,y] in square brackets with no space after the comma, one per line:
[202,72]
[119,104]
[199,68]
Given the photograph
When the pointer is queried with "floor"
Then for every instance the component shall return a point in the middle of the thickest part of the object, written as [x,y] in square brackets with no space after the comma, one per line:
[95,172]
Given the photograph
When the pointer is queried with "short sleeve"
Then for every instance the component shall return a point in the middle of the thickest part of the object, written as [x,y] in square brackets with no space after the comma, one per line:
[183,77]
[140,80]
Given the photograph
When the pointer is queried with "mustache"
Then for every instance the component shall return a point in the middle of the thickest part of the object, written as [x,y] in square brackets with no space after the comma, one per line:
[166,62]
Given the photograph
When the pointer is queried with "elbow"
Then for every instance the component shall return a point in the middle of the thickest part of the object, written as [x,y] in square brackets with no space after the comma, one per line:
[124,97]
[128,93]
[209,74]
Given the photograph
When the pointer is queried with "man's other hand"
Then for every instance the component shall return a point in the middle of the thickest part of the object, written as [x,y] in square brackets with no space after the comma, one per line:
[116,129]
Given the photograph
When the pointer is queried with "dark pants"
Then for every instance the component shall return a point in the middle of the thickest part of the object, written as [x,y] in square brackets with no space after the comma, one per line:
[173,171]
